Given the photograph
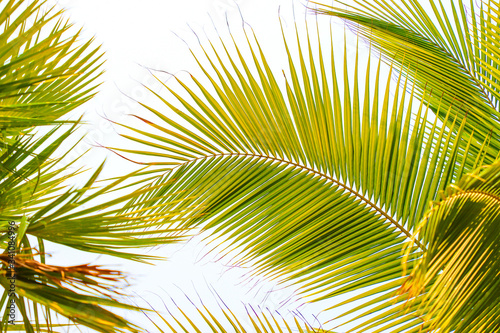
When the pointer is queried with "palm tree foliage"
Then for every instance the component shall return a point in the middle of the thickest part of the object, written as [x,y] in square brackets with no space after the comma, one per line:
[460,268]
[46,72]
[324,181]
[448,47]
[328,176]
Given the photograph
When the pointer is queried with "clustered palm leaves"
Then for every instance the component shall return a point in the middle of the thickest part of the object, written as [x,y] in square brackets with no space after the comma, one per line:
[331,176]
[46,72]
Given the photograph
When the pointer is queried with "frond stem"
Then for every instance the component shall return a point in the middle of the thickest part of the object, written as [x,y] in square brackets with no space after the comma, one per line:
[333,180]
[461,193]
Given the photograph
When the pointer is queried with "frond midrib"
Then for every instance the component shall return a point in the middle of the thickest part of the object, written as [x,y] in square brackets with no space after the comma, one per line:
[320,174]
[461,193]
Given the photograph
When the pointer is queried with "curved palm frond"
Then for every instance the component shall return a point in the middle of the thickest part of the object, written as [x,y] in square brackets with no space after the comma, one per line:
[460,269]
[443,47]
[309,185]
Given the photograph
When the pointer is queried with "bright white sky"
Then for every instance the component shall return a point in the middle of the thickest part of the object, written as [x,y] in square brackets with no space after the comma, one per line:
[135,33]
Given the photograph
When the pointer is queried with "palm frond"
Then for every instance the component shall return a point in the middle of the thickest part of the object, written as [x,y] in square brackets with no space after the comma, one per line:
[79,218]
[45,72]
[460,269]
[60,289]
[28,170]
[308,185]
[448,49]
[34,186]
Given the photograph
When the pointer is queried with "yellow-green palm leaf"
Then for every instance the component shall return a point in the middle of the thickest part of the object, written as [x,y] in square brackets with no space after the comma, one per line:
[45,72]
[312,186]
[460,269]
[448,48]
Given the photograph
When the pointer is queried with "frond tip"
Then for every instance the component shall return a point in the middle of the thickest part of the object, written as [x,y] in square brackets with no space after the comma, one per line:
[224,320]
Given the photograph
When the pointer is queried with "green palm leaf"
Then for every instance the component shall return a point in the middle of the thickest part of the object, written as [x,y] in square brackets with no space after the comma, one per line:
[460,269]
[448,49]
[44,74]
[312,187]
[224,320]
